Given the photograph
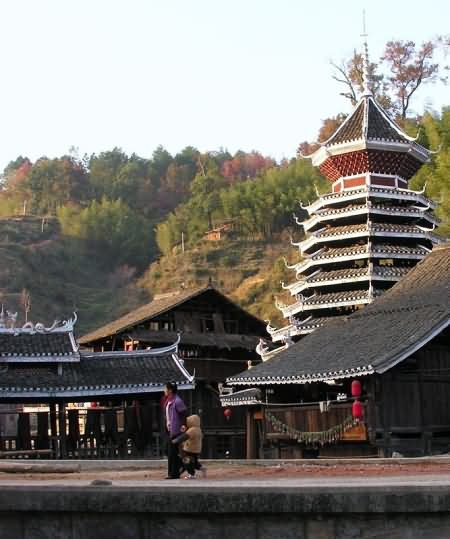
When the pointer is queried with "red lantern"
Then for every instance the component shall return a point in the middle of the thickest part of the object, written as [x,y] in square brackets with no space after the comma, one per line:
[356,388]
[227,413]
[357,410]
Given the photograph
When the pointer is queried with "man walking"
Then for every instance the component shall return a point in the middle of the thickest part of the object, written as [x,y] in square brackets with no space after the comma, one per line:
[175,412]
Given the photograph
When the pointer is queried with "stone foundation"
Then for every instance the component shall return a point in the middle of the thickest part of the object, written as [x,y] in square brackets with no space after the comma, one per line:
[202,512]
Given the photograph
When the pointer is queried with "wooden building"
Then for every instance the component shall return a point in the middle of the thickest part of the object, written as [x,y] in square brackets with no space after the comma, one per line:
[301,401]
[77,404]
[220,231]
[368,231]
[218,339]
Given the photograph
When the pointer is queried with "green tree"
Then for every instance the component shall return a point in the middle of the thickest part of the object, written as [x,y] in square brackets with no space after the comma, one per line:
[55,182]
[119,233]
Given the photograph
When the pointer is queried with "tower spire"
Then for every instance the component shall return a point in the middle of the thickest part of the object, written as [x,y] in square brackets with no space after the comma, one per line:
[365,57]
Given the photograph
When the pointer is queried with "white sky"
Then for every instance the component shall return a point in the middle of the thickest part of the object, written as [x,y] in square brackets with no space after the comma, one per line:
[238,74]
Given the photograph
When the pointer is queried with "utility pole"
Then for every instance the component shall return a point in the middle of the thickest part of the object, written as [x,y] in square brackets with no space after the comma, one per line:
[182,242]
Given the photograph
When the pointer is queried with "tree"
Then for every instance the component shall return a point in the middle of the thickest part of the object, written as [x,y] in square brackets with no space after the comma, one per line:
[350,74]
[329,126]
[111,227]
[410,67]
[104,169]
[161,160]
[403,68]
[435,175]
[205,187]
[54,182]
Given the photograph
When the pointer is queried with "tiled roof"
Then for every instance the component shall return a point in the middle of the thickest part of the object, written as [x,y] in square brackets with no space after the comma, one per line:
[398,249]
[299,327]
[371,340]
[379,127]
[352,129]
[337,274]
[374,208]
[26,346]
[313,322]
[376,248]
[372,227]
[368,121]
[96,374]
[337,297]
[340,251]
[238,398]
[349,273]
[370,191]
[149,311]
[338,230]
[390,271]
[146,312]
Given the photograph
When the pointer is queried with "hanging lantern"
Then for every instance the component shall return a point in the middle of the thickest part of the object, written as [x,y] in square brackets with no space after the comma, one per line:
[356,388]
[227,413]
[357,410]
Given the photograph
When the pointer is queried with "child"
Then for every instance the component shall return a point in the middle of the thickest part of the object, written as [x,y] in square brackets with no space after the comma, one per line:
[191,446]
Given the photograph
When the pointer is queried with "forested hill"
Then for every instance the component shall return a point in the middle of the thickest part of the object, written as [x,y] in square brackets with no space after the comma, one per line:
[103,233]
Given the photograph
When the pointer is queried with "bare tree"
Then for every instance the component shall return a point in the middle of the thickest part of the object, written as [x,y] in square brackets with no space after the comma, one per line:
[407,68]
[350,74]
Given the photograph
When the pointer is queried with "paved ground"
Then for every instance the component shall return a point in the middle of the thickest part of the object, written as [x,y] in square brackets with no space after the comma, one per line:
[420,471]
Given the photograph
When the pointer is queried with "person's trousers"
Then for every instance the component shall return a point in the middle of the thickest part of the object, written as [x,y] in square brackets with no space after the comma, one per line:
[191,463]
[173,460]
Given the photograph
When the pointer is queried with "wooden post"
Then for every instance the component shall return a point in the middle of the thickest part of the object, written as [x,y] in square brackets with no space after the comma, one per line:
[370,410]
[53,430]
[426,436]
[250,431]
[62,430]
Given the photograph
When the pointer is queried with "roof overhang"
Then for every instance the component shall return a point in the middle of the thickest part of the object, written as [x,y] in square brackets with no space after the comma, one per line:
[324,152]
[414,347]
[302,379]
[87,392]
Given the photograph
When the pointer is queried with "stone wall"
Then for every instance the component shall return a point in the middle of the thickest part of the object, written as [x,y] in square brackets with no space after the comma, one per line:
[202,512]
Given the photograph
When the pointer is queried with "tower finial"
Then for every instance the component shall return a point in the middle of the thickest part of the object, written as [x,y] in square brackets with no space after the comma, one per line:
[366,84]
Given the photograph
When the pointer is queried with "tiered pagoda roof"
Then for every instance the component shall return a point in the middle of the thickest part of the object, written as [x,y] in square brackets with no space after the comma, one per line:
[367,232]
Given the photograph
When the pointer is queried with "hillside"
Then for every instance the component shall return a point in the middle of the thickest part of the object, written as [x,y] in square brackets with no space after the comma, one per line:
[61,275]
[248,270]
[109,217]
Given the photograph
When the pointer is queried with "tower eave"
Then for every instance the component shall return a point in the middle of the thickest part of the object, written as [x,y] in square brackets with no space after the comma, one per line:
[324,152]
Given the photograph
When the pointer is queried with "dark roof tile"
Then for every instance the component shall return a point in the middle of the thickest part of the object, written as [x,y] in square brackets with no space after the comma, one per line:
[151,310]
[379,126]
[21,344]
[129,371]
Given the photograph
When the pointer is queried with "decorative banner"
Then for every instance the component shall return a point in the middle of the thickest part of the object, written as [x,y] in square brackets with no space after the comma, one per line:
[330,436]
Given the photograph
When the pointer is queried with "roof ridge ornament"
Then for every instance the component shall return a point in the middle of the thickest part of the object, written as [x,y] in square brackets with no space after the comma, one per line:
[8,325]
